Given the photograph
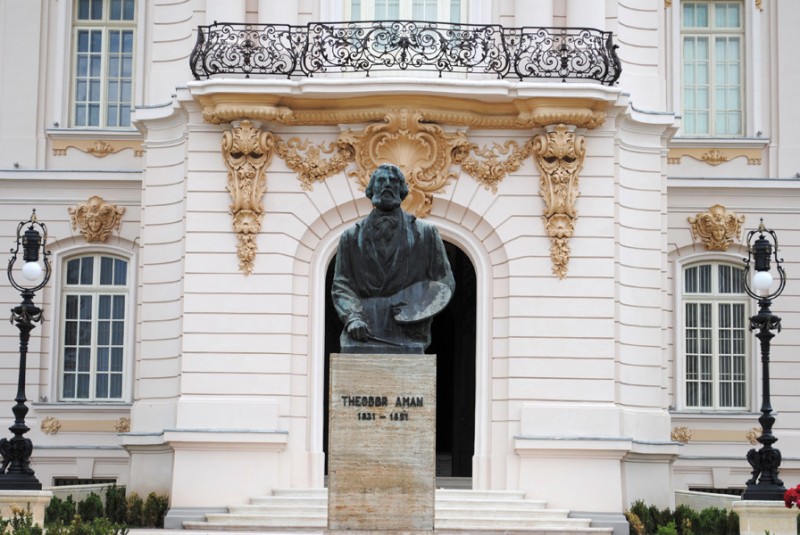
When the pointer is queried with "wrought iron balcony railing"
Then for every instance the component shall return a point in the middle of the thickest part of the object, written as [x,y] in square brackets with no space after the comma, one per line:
[371,46]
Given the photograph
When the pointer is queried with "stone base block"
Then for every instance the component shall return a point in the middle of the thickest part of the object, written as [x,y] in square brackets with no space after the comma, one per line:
[382,443]
[36,500]
[759,517]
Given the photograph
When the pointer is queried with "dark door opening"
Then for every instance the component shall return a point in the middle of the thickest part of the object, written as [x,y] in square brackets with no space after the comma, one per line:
[453,334]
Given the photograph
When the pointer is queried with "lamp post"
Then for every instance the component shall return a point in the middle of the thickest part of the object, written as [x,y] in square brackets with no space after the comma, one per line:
[765,484]
[15,471]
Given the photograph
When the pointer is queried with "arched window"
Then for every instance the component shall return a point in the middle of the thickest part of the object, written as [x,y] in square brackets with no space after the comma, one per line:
[714,336]
[94,328]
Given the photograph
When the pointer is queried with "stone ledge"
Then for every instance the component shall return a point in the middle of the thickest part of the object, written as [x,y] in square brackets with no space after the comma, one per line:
[757,517]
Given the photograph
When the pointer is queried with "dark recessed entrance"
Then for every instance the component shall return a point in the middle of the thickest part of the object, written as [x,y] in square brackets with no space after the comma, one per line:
[453,334]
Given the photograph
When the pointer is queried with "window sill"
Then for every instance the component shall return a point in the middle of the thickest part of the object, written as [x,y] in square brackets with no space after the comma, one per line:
[721,414]
[98,407]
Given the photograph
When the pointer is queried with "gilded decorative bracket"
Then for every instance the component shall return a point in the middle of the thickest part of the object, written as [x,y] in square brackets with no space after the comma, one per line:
[96,218]
[559,153]
[247,152]
[716,228]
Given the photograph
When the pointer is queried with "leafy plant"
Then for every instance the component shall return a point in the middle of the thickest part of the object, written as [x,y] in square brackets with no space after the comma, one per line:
[669,529]
[21,523]
[116,505]
[135,510]
[91,508]
[98,526]
[155,508]
[649,520]
[60,510]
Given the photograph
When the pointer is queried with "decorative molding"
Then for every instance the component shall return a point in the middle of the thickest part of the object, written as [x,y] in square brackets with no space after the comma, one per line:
[714,156]
[681,434]
[422,150]
[247,152]
[508,113]
[306,159]
[96,218]
[98,148]
[753,434]
[716,228]
[559,153]
[486,166]
[667,3]
[50,425]
[123,425]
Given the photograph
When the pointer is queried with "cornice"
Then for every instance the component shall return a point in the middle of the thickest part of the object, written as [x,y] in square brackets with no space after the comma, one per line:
[500,107]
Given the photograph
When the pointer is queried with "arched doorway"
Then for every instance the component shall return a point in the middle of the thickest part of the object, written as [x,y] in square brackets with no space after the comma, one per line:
[453,334]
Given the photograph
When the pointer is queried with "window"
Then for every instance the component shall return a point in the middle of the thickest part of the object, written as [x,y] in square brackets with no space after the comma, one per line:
[715,333]
[712,37]
[94,328]
[103,45]
[427,10]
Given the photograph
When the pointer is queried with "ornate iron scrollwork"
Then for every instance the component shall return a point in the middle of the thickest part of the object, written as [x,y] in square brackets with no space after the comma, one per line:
[369,46]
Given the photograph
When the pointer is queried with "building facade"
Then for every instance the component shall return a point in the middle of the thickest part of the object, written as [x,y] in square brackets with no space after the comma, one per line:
[195,183]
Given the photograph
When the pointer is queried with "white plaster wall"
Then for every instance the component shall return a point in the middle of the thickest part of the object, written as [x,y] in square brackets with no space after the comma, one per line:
[722,463]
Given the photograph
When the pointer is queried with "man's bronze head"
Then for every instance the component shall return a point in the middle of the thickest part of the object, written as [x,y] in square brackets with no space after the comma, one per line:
[387,187]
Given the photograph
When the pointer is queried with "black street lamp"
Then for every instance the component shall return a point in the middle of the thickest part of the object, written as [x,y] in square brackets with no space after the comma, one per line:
[15,471]
[767,460]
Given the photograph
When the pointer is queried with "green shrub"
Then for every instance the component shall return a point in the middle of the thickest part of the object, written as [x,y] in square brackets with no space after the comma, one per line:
[60,510]
[21,523]
[669,529]
[116,505]
[155,508]
[135,510]
[649,520]
[686,520]
[91,508]
[98,526]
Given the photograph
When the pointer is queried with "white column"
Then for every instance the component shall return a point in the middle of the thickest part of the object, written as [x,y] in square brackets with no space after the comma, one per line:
[278,12]
[586,14]
[536,13]
[225,11]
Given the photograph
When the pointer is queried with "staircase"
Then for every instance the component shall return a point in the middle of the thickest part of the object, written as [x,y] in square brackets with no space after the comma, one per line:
[457,512]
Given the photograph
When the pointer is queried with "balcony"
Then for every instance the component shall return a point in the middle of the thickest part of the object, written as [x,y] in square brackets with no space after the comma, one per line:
[366,47]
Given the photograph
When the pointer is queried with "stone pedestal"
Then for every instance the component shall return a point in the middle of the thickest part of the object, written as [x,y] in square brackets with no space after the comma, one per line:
[381,443]
[759,517]
[35,500]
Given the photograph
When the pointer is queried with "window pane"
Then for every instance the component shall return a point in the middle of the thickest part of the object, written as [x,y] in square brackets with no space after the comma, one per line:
[116,386]
[102,386]
[116,359]
[83,386]
[103,332]
[102,359]
[106,270]
[116,10]
[119,307]
[128,10]
[87,270]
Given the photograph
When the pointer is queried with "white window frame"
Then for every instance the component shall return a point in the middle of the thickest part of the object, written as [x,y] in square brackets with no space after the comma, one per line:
[752,88]
[60,292]
[61,78]
[473,11]
[405,11]
[751,366]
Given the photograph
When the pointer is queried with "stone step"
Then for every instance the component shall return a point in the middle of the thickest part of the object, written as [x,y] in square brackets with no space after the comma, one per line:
[456,511]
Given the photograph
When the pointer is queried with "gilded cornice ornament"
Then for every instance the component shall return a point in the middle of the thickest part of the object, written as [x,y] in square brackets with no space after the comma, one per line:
[559,153]
[753,434]
[123,425]
[247,151]
[681,434]
[305,158]
[96,218]
[99,148]
[422,150]
[50,425]
[715,156]
[485,166]
[716,228]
